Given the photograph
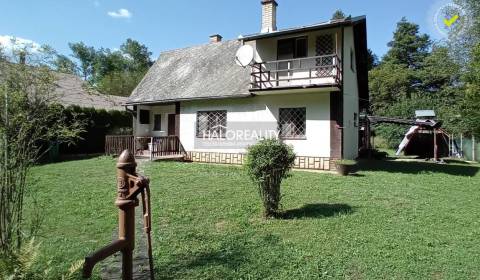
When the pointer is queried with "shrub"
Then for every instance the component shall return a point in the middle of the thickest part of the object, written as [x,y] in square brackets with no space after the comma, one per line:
[268,163]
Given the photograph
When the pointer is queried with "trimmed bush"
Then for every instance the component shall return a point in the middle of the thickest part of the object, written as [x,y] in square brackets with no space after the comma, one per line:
[99,123]
[268,163]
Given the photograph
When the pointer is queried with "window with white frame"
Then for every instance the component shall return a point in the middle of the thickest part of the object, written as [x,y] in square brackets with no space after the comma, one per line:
[211,124]
[292,123]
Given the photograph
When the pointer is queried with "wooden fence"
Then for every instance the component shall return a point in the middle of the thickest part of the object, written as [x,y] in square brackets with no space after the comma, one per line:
[116,144]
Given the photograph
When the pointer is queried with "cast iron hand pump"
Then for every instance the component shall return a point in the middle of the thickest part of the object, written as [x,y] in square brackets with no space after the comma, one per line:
[129,186]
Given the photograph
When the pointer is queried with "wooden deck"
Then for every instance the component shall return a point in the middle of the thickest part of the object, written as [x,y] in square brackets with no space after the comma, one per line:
[153,148]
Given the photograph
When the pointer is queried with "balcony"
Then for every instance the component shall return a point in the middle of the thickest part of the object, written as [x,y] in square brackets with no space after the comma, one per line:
[316,71]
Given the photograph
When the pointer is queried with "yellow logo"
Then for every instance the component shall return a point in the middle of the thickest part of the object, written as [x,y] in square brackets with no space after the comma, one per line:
[449,22]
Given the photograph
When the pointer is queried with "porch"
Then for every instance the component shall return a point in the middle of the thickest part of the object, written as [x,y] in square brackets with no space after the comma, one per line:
[153,148]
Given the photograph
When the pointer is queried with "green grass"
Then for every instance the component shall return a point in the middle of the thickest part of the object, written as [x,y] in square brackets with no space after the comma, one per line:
[395,220]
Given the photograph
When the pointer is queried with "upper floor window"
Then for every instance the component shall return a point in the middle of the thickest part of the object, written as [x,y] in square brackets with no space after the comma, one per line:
[292,48]
[212,124]
[144,116]
[292,123]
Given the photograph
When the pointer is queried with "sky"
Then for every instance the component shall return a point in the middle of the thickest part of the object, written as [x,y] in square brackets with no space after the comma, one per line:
[170,24]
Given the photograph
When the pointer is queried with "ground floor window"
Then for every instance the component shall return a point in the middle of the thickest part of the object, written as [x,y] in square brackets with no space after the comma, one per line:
[157,122]
[292,123]
[144,116]
[212,124]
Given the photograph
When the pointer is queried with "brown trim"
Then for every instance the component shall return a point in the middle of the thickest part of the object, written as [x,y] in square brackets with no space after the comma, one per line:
[177,119]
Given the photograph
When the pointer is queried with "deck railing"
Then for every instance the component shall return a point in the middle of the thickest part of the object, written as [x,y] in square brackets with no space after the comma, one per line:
[166,146]
[152,147]
[308,71]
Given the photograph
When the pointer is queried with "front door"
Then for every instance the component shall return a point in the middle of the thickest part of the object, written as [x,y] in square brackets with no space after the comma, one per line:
[171,124]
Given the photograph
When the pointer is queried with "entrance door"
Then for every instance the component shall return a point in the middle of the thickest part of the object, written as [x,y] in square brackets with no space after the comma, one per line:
[171,125]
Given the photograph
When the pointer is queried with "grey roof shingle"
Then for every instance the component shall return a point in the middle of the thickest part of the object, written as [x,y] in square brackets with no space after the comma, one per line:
[71,90]
[207,71]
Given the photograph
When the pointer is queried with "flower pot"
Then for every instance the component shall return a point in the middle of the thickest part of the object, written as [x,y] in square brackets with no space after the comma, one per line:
[343,169]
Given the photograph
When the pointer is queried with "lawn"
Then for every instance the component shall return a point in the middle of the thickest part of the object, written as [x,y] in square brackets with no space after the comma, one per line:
[396,220]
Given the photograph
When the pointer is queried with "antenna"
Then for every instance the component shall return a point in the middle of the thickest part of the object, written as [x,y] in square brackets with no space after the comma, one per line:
[245,55]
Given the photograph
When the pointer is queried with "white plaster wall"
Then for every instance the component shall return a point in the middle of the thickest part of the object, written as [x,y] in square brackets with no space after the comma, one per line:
[265,109]
[147,129]
[350,99]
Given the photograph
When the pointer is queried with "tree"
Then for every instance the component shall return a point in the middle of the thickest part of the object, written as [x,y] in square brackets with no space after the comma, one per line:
[338,14]
[29,122]
[372,60]
[413,76]
[86,57]
[138,55]
[408,47]
[63,64]
[465,34]
[268,163]
[471,102]
[114,72]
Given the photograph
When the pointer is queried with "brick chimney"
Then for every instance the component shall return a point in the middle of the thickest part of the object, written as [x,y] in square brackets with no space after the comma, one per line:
[216,38]
[269,16]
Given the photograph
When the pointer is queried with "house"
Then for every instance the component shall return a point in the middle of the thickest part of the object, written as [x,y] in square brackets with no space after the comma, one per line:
[308,84]
[71,90]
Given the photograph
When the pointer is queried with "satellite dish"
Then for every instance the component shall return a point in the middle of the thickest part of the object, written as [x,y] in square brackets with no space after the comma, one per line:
[245,55]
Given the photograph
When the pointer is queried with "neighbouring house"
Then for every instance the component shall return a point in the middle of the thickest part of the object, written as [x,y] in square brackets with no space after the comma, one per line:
[71,90]
[103,114]
[307,83]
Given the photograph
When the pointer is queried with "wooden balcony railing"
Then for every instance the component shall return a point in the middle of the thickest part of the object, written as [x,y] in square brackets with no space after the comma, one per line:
[152,147]
[309,71]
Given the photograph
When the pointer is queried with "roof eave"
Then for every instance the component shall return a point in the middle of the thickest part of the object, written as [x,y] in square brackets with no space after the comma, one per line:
[326,25]
[187,99]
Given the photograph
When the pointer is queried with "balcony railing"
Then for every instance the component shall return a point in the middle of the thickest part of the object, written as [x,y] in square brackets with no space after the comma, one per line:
[322,70]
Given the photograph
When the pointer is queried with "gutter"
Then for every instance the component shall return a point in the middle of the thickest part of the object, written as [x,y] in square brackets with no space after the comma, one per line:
[186,99]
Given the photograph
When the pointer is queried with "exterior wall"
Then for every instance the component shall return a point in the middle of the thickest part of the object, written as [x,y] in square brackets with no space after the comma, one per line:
[265,109]
[350,99]
[147,129]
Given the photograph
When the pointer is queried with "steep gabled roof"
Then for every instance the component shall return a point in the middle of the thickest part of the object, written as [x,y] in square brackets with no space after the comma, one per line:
[201,72]
[71,90]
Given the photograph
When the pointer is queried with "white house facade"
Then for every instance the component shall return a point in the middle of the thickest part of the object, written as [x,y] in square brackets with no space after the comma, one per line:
[306,84]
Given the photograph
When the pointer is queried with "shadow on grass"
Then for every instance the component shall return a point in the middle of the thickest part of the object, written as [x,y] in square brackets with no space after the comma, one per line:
[319,210]
[233,252]
[415,167]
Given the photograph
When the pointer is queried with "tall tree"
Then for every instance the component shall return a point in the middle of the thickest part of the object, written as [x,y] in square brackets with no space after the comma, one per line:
[64,64]
[86,57]
[372,60]
[408,46]
[471,102]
